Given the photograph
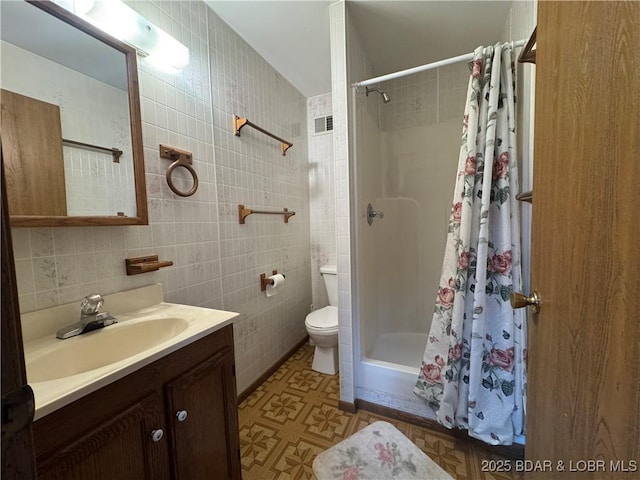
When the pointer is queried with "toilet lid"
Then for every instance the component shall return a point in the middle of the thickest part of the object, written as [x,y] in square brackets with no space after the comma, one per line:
[325,318]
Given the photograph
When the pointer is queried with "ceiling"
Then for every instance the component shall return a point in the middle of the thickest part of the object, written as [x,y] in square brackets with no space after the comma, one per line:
[293,36]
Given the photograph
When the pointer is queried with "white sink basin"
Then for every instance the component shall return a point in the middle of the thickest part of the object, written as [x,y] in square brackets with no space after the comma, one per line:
[63,371]
[100,348]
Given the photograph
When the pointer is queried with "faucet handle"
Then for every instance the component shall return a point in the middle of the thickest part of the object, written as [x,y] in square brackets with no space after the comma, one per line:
[91,304]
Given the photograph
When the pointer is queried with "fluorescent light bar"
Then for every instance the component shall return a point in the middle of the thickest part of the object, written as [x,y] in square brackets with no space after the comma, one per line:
[124,23]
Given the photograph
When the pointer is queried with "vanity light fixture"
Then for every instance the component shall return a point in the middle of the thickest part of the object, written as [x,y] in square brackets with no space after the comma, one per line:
[121,21]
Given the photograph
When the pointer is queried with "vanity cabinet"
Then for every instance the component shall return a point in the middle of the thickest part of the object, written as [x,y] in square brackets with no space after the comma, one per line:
[173,419]
[198,408]
[118,448]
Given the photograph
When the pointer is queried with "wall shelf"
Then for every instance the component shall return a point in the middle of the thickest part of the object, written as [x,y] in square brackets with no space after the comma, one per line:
[150,263]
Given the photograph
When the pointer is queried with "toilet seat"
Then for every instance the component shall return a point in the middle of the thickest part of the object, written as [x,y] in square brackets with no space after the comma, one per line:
[324,320]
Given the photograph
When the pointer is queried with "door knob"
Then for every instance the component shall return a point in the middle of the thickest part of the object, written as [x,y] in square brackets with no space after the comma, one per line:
[519,300]
[157,435]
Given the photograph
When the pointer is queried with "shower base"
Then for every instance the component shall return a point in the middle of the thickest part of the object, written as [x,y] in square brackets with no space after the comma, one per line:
[388,372]
[402,348]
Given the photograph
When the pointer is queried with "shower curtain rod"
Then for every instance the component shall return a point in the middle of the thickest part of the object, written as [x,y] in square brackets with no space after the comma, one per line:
[422,68]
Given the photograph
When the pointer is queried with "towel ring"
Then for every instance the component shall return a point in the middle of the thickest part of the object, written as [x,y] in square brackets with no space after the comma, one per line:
[172,167]
[181,158]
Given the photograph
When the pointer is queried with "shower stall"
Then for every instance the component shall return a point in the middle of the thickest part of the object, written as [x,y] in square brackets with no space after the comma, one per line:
[405,142]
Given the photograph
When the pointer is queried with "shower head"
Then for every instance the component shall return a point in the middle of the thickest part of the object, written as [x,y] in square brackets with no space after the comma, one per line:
[384,95]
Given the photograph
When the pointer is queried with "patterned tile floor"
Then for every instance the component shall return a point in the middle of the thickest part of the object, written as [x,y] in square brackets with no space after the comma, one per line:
[293,416]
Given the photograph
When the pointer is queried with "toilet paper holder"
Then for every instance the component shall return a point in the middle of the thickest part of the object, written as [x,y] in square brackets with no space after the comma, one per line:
[264,281]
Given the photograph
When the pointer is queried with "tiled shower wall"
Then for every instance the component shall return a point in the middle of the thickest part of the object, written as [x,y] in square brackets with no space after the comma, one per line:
[322,201]
[425,98]
[217,262]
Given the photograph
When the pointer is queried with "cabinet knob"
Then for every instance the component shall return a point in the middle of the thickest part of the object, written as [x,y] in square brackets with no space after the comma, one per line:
[157,435]
[181,415]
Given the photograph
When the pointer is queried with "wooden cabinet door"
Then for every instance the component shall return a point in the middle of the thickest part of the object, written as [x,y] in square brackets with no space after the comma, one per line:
[121,448]
[206,443]
[32,146]
[583,400]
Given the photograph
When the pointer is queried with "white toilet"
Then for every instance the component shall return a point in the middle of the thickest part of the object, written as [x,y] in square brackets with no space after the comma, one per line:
[322,326]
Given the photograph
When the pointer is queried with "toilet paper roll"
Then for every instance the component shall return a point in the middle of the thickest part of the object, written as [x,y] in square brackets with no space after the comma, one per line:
[278,279]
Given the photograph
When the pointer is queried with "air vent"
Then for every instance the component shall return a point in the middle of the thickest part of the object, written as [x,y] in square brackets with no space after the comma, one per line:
[323,125]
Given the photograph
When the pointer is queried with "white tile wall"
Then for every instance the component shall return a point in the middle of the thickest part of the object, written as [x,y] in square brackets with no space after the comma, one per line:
[425,98]
[340,99]
[414,101]
[217,262]
[322,199]
[251,170]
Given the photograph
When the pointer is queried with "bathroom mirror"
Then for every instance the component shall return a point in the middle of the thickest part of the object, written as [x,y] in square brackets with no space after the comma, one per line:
[71,130]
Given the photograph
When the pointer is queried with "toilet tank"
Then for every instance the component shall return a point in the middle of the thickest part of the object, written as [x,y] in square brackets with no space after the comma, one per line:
[330,277]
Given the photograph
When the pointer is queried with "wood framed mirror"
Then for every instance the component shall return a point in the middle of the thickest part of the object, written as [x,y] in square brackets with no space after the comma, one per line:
[71,128]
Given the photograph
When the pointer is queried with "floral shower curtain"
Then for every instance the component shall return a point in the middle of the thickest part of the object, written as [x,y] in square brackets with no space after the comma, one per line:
[474,366]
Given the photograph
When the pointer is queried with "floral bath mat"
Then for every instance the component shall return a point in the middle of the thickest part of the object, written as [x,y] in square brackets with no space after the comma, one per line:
[377,452]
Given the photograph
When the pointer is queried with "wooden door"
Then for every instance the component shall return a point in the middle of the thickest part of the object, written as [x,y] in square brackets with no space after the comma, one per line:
[203,420]
[17,446]
[584,345]
[120,448]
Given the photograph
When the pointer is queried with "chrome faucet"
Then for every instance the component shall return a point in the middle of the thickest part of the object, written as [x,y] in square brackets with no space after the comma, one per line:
[90,318]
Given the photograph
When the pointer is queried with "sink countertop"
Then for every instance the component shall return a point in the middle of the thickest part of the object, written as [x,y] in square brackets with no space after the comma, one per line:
[135,306]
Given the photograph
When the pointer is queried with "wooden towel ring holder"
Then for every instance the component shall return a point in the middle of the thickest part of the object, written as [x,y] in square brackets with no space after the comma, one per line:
[181,158]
